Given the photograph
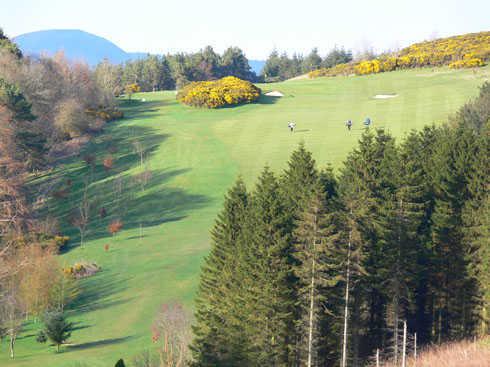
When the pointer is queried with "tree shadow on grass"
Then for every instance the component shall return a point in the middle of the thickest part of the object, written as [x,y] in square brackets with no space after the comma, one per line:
[114,192]
[137,109]
[98,343]
[124,198]
[97,294]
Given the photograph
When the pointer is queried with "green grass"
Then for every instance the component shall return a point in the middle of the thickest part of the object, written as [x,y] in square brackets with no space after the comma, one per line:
[195,155]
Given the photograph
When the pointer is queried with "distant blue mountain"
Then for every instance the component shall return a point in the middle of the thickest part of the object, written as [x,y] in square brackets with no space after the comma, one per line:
[81,45]
[76,44]
[257,65]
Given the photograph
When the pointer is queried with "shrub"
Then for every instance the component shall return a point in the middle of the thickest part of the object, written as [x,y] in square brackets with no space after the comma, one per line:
[339,69]
[82,269]
[105,113]
[368,67]
[227,91]
[71,119]
[467,63]
[61,240]
[129,89]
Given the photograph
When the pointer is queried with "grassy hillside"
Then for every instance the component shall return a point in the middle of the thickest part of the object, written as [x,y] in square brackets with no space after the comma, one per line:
[195,155]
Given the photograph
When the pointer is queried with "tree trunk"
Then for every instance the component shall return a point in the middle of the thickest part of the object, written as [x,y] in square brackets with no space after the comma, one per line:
[312,305]
[346,309]
[12,342]
[404,356]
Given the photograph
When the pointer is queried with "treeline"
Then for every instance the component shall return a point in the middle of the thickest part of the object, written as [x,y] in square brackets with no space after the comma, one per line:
[174,71]
[312,268]
[281,67]
[169,72]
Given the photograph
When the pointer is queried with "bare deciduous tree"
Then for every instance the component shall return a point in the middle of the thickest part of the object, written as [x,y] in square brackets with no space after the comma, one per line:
[81,217]
[171,330]
[140,150]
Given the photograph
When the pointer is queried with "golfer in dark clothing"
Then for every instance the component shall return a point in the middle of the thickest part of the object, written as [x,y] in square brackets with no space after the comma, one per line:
[367,122]
[348,124]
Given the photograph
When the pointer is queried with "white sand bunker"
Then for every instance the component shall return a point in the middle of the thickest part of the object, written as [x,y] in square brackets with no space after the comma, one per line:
[274,93]
[385,96]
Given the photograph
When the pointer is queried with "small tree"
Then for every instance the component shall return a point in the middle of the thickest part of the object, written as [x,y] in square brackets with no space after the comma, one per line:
[171,329]
[120,363]
[108,163]
[140,150]
[115,226]
[129,89]
[71,118]
[81,217]
[143,178]
[57,329]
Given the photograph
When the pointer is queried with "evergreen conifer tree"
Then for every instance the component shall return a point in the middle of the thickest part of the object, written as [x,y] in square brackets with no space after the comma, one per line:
[267,296]
[313,231]
[219,278]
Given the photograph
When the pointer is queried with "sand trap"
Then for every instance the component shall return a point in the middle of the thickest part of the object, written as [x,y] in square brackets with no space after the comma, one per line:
[275,93]
[385,96]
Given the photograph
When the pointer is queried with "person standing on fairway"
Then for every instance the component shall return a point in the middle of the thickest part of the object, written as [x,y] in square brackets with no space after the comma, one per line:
[291,126]
[367,122]
[348,124]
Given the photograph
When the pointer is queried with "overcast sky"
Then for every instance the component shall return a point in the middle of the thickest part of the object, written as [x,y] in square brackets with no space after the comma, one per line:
[257,26]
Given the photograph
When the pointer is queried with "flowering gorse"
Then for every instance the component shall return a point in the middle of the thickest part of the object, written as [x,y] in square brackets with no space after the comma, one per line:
[466,51]
[219,93]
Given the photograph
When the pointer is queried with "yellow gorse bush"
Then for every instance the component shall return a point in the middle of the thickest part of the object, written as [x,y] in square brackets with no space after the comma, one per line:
[467,63]
[465,51]
[227,91]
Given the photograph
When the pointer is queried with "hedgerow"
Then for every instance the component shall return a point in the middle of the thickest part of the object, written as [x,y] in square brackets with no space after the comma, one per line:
[466,51]
[219,93]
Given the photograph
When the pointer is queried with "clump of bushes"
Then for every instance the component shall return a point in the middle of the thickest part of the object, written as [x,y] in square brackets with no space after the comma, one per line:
[467,63]
[227,91]
[82,269]
[107,114]
[466,51]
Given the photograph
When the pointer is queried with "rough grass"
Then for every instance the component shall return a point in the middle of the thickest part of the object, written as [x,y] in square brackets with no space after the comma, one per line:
[462,354]
[194,156]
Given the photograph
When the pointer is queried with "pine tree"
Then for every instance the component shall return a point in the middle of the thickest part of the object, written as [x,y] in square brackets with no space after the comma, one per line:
[366,183]
[313,231]
[219,277]
[401,242]
[455,289]
[476,238]
[267,298]
[57,329]
[299,181]
[415,164]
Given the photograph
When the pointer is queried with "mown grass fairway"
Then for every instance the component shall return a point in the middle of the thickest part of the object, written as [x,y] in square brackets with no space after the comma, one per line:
[195,155]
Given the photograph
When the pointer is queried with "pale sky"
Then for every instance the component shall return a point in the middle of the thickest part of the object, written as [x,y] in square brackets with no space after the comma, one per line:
[256,26]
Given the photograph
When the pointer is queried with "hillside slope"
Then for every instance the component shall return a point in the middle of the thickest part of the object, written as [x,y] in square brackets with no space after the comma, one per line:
[194,156]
